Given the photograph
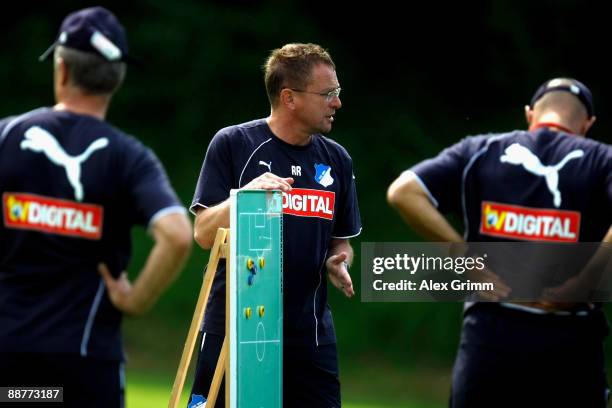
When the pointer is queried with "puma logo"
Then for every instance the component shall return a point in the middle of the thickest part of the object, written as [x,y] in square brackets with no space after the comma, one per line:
[268,165]
[39,140]
[520,155]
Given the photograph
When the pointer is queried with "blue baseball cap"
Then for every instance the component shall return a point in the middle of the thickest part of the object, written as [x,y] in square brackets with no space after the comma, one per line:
[570,85]
[95,30]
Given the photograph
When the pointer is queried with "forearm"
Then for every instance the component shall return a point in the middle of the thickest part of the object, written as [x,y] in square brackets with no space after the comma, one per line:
[339,252]
[429,222]
[338,246]
[208,221]
[592,277]
[165,261]
[414,206]
[596,267]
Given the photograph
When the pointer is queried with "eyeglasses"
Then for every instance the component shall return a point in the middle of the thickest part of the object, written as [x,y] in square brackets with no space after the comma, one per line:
[327,95]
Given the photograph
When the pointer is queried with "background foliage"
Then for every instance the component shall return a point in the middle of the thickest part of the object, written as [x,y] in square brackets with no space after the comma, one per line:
[414,80]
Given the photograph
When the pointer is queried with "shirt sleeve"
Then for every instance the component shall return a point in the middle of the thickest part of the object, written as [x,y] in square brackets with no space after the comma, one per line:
[215,181]
[151,195]
[441,176]
[348,219]
[3,129]
[608,171]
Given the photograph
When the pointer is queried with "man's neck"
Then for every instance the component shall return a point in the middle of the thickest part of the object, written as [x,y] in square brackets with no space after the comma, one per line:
[92,105]
[551,125]
[554,121]
[288,130]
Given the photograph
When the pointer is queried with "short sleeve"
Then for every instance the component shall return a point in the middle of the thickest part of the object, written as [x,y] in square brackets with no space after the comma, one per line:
[4,129]
[348,219]
[441,176]
[215,181]
[608,171]
[150,191]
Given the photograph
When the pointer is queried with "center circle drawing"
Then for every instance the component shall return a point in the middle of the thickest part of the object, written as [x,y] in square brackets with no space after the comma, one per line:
[260,342]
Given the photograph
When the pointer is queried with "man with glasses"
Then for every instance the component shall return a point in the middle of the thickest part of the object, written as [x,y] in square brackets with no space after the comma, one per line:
[287,151]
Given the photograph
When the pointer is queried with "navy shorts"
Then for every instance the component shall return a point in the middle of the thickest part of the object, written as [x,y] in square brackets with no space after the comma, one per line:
[310,375]
[87,382]
[513,358]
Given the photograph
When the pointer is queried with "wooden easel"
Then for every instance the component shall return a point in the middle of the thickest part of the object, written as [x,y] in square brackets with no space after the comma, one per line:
[220,250]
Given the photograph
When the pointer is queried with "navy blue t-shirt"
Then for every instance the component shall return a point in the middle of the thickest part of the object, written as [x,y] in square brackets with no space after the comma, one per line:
[72,189]
[323,168]
[539,185]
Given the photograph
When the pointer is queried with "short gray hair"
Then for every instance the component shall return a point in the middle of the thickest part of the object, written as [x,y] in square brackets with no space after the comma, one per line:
[91,73]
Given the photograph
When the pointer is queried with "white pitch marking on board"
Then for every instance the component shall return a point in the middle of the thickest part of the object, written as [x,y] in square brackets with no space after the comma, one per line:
[263,342]
[259,341]
[266,245]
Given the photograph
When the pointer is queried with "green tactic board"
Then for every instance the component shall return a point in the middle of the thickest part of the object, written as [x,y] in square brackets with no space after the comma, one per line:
[256,299]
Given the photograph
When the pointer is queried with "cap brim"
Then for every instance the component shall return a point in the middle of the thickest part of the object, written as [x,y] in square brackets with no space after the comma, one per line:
[128,59]
[45,55]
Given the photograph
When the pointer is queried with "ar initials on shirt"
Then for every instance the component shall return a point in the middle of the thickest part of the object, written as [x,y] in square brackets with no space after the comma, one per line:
[296,170]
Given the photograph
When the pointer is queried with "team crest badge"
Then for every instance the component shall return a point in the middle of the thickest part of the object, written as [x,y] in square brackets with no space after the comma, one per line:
[323,175]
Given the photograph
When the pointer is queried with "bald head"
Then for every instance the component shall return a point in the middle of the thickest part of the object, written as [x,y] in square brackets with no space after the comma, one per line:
[564,102]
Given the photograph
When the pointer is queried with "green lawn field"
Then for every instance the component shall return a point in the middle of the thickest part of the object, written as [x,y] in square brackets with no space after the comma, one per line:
[368,381]
[145,390]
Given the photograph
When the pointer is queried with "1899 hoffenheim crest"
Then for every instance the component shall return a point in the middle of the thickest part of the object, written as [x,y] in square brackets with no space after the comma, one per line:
[323,175]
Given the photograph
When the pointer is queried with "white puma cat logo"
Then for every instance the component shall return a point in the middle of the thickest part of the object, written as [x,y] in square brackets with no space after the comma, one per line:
[268,165]
[520,155]
[39,140]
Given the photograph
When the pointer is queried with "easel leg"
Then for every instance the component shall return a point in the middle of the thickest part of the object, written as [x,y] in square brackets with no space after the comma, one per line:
[216,253]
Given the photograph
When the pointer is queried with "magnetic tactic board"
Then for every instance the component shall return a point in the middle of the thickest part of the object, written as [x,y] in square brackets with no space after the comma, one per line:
[256,299]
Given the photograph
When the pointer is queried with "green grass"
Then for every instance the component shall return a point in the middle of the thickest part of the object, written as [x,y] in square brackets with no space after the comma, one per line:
[146,390]
[368,380]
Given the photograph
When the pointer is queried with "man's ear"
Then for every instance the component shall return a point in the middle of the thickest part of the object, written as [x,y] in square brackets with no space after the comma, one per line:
[528,115]
[287,98]
[61,71]
[587,125]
